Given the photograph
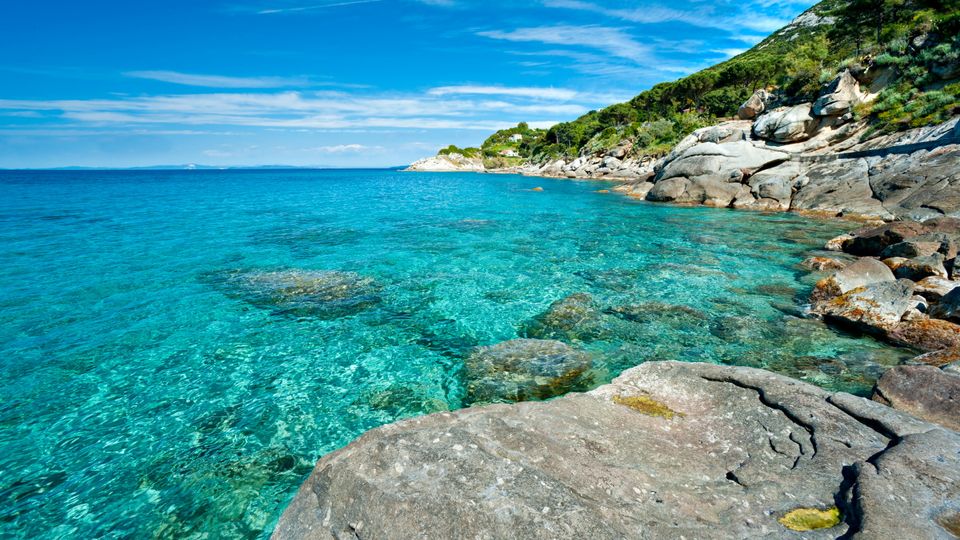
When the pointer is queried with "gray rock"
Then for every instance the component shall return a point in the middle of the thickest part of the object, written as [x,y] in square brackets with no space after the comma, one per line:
[668,190]
[719,161]
[923,391]
[919,185]
[754,105]
[874,307]
[640,190]
[788,125]
[525,369]
[948,307]
[668,450]
[921,267]
[841,186]
[839,97]
[934,287]
[872,241]
[910,249]
[858,274]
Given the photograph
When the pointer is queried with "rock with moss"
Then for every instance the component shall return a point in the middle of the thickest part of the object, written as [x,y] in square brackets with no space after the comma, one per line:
[576,317]
[324,294]
[525,369]
[668,450]
[859,274]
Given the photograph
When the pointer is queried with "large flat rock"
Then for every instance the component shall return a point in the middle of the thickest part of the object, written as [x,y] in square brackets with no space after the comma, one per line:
[668,450]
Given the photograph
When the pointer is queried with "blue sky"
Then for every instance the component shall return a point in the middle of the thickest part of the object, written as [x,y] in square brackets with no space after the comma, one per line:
[333,82]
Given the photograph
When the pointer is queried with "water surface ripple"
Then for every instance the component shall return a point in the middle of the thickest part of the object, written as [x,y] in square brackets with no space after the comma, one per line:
[150,389]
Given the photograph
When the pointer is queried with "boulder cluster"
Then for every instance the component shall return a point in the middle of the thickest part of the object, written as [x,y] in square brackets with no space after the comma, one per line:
[810,157]
[904,287]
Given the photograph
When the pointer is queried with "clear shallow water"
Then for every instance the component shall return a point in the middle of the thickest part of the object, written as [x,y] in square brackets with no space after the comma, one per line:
[142,394]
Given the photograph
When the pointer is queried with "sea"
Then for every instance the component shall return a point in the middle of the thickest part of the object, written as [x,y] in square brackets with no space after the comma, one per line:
[170,367]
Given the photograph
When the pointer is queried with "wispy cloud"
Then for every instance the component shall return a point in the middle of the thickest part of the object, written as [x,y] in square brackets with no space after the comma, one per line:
[558,94]
[218,81]
[731,17]
[314,7]
[612,41]
[341,148]
[305,110]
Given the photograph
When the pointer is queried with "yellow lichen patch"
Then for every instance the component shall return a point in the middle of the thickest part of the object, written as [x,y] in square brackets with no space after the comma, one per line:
[648,406]
[810,519]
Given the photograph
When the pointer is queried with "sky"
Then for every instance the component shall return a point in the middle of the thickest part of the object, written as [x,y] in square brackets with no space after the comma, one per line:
[339,83]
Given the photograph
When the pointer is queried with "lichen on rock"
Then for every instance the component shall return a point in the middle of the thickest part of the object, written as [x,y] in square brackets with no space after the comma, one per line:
[811,519]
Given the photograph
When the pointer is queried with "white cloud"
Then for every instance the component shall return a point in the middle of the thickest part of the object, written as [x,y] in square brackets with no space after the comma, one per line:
[738,16]
[558,94]
[340,148]
[218,81]
[612,41]
[299,110]
[313,7]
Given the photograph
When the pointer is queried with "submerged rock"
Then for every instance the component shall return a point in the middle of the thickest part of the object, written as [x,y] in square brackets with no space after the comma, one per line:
[305,293]
[525,369]
[650,312]
[576,317]
[668,450]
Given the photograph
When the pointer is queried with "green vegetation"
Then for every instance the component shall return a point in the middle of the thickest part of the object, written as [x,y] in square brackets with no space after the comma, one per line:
[470,152]
[911,48]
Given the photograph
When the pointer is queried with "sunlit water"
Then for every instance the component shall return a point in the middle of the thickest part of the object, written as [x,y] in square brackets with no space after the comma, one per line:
[145,394]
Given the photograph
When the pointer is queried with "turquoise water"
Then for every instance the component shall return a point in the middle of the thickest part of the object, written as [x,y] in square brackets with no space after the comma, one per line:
[152,386]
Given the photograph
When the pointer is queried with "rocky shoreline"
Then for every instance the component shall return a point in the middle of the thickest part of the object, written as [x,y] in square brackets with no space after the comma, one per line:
[667,450]
[672,450]
[812,157]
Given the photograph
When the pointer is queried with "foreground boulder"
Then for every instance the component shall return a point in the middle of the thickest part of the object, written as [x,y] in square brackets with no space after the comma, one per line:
[668,450]
[923,391]
[525,369]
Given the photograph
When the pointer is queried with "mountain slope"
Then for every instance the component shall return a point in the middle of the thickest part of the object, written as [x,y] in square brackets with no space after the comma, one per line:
[909,52]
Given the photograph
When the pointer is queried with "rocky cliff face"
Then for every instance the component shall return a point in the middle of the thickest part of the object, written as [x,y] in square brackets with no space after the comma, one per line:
[668,450]
[448,163]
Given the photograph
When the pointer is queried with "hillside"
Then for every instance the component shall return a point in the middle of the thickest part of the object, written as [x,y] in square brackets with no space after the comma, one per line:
[905,54]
